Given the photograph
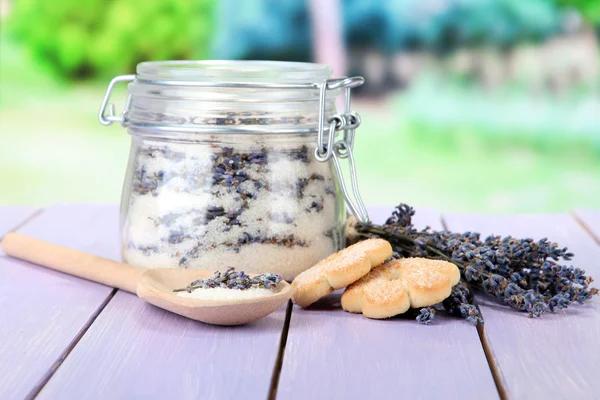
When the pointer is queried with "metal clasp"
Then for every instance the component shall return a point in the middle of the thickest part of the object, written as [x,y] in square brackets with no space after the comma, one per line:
[108,119]
[342,148]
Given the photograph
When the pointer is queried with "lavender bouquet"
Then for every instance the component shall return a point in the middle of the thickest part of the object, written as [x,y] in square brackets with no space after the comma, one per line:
[525,274]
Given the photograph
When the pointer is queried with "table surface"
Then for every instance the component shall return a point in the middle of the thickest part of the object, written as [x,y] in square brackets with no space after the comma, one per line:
[67,338]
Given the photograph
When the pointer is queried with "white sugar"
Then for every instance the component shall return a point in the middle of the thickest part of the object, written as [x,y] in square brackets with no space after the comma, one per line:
[226,294]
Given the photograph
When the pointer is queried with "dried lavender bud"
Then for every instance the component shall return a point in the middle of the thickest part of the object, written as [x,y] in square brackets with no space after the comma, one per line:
[401,216]
[176,236]
[316,206]
[300,154]
[148,250]
[303,182]
[214,212]
[460,303]
[523,273]
[426,315]
[144,183]
[230,279]
[165,151]
[282,218]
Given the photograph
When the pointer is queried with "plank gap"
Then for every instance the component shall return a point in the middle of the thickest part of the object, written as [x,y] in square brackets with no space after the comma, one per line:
[586,227]
[487,349]
[281,352]
[491,359]
[27,220]
[63,356]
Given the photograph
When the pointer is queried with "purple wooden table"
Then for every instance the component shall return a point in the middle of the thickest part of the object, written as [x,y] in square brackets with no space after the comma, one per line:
[65,338]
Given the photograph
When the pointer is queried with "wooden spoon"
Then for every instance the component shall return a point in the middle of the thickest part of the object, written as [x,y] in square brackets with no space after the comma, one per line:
[154,286]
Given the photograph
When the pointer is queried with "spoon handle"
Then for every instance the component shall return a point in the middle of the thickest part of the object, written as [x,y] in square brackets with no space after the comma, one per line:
[73,262]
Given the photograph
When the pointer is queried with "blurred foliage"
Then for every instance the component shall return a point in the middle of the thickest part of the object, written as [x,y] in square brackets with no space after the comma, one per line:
[263,30]
[18,70]
[589,9]
[440,104]
[275,29]
[108,37]
[463,150]
[405,25]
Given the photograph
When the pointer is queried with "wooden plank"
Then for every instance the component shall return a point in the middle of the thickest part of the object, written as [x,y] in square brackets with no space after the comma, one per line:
[135,350]
[44,312]
[334,354]
[555,356]
[590,220]
[11,217]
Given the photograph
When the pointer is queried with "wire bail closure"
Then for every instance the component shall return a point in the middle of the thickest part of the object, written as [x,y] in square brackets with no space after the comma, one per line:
[108,119]
[343,147]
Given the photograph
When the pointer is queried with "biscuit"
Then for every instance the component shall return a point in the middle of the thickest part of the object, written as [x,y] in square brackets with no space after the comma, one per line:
[398,285]
[339,270]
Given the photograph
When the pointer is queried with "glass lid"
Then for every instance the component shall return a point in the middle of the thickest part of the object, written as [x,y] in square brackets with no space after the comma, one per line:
[275,72]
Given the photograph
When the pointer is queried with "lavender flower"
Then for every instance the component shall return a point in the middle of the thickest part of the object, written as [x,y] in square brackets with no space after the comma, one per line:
[525,274]
[231,279]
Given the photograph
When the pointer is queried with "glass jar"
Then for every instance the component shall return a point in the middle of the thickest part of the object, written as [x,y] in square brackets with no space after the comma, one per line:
[231,165]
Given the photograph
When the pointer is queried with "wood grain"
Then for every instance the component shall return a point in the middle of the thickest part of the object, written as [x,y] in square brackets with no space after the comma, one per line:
[135,350]
[43,311]
[11,217]
[334,354]
[590,220]
[556,356]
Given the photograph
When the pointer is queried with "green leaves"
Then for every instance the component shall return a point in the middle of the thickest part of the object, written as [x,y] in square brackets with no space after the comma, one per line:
[589,9]
[97,37]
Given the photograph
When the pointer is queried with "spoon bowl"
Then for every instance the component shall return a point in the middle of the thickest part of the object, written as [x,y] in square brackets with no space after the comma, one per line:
[156,287]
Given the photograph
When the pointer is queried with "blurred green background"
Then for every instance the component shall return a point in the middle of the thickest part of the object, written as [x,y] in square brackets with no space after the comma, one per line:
[470,105]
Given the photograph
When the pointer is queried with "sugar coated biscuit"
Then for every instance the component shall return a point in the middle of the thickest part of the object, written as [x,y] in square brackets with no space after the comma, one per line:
[339,270]
[398,285]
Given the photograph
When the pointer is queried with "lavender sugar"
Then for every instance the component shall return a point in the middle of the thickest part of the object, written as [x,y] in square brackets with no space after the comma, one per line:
[255,206]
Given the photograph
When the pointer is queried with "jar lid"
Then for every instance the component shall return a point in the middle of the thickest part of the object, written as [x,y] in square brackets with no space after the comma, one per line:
[218,73]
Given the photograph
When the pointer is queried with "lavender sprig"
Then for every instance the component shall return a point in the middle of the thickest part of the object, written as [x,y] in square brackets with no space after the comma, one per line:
[525,274]
[231,279]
